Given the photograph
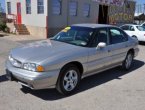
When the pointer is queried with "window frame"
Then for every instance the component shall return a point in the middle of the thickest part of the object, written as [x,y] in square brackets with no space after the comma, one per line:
[121,31]
[86,13]
[9,9]
[38,6]
[28,6]
[56,6]
[73,11]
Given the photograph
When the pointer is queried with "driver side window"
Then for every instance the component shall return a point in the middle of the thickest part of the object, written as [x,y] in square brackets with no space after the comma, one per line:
[101,36]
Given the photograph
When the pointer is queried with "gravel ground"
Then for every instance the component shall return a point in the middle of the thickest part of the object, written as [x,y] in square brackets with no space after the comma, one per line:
[110,90]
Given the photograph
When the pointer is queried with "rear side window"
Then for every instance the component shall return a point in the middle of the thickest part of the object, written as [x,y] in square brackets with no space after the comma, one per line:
[125,27]
[140,28]
[117,36]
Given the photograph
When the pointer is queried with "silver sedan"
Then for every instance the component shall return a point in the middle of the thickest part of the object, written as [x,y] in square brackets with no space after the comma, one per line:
[74,53]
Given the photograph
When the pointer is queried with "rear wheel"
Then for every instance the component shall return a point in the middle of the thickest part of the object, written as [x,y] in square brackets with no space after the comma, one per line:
[68,80]
[135,37]
[128,61]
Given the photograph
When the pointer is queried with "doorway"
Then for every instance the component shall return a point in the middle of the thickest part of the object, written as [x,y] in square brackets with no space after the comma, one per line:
[103,14]
[19,19]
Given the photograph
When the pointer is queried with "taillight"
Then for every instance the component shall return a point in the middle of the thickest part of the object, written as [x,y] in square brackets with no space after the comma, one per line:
[144,34]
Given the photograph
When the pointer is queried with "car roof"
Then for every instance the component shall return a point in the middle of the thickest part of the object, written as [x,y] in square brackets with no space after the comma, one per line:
[131,25]
[89,25]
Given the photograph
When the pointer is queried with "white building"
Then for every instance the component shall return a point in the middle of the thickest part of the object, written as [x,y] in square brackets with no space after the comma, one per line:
[45,17]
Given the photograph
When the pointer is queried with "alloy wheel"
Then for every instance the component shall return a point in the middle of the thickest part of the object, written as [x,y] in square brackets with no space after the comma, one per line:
[70,80]
[128,61]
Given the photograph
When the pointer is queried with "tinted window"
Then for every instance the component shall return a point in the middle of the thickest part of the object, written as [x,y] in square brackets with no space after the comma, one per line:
[79,36]
[117,36]
[101,36]
[125,27]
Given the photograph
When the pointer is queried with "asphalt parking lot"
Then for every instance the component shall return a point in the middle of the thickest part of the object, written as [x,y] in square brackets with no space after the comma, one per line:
[114,89]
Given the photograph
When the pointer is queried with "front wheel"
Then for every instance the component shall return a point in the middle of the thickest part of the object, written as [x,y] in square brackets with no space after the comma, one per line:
[128,61]
[68,80]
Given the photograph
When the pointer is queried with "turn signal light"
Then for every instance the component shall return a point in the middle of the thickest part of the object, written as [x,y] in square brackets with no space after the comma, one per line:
[40,68]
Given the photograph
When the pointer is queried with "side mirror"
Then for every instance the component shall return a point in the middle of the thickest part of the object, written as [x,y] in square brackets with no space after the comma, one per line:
[101,45]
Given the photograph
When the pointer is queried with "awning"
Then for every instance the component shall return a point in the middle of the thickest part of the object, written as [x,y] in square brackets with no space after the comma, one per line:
[111,2]
[140,17]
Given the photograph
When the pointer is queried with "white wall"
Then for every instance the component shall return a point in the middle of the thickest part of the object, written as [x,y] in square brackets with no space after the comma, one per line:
[13,6]
[32,19]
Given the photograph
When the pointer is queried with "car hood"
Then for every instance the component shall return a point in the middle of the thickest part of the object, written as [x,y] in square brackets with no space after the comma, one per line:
[38,51]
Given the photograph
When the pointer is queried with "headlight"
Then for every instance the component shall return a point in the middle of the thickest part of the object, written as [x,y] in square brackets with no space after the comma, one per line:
[14,62]
[33,67]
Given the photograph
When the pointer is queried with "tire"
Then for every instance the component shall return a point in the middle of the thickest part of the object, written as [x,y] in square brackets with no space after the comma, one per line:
[127,63]
[25,88]
[68,80]
[135,37]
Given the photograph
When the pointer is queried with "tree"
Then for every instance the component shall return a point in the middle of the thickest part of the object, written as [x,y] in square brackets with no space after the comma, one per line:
[1,14]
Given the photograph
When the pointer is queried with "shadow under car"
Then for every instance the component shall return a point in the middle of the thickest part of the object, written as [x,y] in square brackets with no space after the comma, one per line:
[86,83]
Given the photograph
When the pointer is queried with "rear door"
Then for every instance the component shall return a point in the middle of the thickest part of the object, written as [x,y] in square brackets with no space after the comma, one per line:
[129,29]
[118,45]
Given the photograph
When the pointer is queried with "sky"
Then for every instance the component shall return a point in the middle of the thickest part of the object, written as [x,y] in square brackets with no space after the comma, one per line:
[140,1]
[3,4]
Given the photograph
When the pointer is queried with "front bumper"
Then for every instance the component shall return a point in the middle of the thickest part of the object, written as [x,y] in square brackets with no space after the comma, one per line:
[33,80]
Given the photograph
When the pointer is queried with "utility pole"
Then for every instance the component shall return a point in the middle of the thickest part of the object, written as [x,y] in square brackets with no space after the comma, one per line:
[144,9]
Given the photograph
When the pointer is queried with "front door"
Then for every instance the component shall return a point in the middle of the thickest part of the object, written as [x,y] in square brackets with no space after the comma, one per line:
[19,20]
[99,58]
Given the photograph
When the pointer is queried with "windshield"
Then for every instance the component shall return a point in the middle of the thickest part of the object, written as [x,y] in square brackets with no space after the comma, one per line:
[140,28]
[79,36]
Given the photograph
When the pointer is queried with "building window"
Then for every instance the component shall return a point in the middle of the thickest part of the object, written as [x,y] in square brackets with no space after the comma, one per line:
[56,7]
[73,8]
[86,10]
[9,7]
[28,6]
[40,6]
